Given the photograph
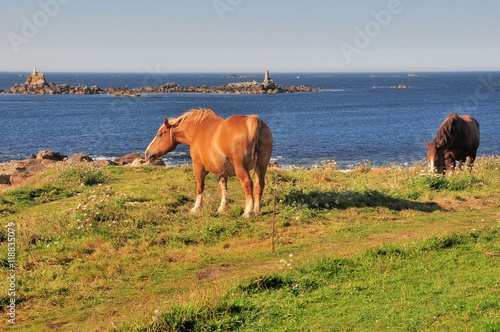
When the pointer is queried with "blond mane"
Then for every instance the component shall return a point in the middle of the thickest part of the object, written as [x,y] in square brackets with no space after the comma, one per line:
[194,115]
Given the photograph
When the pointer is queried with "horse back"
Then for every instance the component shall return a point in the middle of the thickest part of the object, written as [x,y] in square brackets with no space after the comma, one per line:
[243,139]
[471,135]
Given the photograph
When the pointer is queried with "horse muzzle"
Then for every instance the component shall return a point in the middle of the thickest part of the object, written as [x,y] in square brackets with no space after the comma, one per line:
[150,157]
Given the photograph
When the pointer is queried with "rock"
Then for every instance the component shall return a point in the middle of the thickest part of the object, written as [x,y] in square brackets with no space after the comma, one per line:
[5,178]
[125,92]
[18,178]
[24,165]
[157,162]
[51,155]
[138,162]
[36,79]
[127,159]
[36,84]
[35,168]
[7,168]
[80,157]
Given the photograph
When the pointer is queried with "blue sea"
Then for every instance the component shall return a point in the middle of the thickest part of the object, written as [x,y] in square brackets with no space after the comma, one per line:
[358,117]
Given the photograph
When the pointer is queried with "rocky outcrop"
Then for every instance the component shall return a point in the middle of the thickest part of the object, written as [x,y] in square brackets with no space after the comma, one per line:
[127,159]
[52,88]
[36,79]
[80,157]
[268,86]
[51,155]
[18,171]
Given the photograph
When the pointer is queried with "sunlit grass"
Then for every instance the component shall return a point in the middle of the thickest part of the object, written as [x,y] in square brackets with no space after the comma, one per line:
[117,248]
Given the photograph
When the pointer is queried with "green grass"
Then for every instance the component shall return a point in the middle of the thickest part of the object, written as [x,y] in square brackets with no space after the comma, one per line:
[386,248]
[424,286]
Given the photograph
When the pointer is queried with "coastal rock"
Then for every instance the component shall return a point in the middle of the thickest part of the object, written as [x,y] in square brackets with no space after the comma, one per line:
[157,162]
[127,159]
[125,92]
[80,157]
[36,84]
[51,155]
[138,162]
[36,79]
[4,179]
[18,178]
[17,172]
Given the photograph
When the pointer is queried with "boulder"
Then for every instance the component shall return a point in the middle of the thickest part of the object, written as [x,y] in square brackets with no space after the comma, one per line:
[157,162]
[51,155]
[5,178]
[138,162]
[80,157]
[18,178]
[127,159]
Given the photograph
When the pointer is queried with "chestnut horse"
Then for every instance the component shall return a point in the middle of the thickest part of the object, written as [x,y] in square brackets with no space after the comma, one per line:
[456,140]
[224,147]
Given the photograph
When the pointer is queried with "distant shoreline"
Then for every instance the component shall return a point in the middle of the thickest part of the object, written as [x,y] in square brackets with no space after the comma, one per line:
[36,84]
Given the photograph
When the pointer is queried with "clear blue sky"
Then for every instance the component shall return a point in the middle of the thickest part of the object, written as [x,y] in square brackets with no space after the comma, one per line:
[249,35]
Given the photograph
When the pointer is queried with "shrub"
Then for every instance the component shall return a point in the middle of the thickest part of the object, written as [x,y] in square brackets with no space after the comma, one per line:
[82,173]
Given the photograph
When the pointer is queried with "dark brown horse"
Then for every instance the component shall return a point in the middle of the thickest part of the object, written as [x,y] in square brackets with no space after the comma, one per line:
[224,147]
[456,140]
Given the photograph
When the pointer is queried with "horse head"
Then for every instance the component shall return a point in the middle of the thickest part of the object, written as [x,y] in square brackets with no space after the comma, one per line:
[435,156]
[162,143]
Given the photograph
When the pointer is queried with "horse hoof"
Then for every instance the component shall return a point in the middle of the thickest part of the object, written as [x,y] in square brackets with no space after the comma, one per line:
[248,214]
[194,210]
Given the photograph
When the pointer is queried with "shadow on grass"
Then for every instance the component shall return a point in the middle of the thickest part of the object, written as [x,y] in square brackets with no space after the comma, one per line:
[327,200]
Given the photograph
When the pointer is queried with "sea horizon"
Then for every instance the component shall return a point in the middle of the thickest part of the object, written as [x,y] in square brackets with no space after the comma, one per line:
[358,116]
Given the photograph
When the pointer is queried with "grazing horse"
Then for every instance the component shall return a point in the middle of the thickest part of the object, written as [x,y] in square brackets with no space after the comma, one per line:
[456,140]
[224,147]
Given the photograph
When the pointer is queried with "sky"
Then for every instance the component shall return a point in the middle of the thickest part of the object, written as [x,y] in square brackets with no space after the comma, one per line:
[249,35]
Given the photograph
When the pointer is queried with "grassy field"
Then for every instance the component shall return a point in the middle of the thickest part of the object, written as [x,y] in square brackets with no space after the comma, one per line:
[387,248]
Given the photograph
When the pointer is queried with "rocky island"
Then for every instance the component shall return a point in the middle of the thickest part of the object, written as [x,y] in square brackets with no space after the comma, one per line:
[36,83]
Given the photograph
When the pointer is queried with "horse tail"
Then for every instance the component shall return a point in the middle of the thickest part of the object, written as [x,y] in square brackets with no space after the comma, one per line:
[261,142]
[253,128]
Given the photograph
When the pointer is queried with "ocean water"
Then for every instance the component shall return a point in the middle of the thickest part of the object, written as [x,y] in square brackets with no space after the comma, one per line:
[357,117]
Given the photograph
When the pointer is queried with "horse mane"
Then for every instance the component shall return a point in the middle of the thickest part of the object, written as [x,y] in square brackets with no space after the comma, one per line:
[195,115]
[448,129]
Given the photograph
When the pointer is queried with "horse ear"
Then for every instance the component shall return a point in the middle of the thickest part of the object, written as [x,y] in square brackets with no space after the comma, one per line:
[165,122]
[427,144]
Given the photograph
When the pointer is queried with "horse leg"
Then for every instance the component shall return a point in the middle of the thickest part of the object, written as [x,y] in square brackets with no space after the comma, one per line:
[262,162]
[247,184]
[200,173]
[260,175]
[450,165]
[223,193]
[470,161]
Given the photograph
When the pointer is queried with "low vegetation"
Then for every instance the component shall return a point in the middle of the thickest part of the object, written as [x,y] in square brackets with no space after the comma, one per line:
[388,248]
